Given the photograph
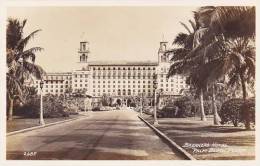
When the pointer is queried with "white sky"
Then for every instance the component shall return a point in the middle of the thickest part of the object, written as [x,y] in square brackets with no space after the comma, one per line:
[114,33]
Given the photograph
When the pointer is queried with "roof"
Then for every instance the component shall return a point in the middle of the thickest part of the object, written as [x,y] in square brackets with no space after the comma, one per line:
[58,73]
[122,63]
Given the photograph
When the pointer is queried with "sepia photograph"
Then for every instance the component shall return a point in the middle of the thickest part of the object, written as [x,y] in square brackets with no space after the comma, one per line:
[119,82]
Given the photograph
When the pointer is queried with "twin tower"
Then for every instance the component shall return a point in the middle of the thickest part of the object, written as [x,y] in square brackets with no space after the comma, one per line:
[163,56]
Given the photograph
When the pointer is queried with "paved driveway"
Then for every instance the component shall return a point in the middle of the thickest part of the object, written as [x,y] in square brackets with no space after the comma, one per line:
[111,135]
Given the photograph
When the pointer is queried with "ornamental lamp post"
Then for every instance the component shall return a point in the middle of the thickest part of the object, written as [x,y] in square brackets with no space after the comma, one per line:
[141,112]
[155,103]
[42,123]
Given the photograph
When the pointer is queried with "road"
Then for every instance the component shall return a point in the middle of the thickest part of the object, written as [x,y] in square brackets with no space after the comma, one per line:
[110,135]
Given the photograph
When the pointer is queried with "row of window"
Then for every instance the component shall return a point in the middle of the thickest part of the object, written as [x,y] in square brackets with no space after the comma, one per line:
[122,81]
[119,90]
[56,77]
[54,82]
[124,86]
[80,80]
[81,75]
[123,68]
[124,77]
[52,86]
[123,72]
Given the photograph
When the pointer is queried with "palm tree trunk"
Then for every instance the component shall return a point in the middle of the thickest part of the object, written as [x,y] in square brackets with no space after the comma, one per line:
[10,109]
[247,113]
[202,112]
[214,107]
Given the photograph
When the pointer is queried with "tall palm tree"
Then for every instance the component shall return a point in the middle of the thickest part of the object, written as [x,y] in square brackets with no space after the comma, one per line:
[184,64]
[20,62]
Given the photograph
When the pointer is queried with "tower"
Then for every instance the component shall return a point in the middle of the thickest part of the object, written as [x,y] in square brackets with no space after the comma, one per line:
[162,57]
[83,52]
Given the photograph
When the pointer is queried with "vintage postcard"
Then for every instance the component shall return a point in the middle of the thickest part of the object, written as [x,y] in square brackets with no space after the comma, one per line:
[91,81]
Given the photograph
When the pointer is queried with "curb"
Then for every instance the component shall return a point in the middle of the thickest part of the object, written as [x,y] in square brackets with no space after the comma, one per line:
[47,125]
[170,142]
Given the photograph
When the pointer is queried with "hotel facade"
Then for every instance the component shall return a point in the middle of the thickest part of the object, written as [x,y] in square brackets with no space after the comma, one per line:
[119,80]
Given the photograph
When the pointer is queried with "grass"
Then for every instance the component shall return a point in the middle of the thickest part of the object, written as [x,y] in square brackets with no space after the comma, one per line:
[205,141]
[19,123]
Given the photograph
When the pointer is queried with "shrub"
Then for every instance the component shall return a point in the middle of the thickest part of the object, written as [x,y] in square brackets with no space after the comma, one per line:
[186,107]
[234,110]
[96,109]
[52,107]
[167,112]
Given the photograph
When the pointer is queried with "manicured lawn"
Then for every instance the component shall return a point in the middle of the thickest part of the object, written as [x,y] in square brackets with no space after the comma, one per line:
[205,141]
[19,123]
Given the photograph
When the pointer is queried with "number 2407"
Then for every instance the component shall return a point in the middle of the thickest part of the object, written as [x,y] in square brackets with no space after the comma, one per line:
[29,153]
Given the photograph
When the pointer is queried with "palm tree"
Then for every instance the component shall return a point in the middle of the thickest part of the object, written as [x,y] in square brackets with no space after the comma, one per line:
[228,45]
[20,62]
[185,64]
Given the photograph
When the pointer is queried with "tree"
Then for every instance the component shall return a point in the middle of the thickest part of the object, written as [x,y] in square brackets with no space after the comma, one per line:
[228,45]
[183,63]
[20,62]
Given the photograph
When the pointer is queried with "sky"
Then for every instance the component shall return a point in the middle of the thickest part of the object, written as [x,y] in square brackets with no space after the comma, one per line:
[115,33]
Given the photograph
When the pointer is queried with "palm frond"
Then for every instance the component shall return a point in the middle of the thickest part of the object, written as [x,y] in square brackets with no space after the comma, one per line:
[30,53]
[180,39]
[23,42]
[186,27]
[34,69]
[193,24]
[234,21]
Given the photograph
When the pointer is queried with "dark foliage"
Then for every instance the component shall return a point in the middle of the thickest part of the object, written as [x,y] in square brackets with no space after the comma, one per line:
[234,110]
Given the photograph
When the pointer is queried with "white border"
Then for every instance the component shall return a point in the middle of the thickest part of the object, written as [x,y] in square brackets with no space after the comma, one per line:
[5,4]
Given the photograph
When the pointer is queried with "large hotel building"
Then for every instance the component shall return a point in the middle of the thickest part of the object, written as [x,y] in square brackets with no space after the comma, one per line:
[115,79]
